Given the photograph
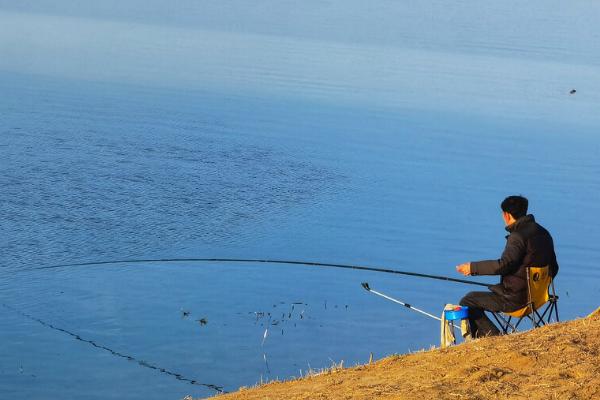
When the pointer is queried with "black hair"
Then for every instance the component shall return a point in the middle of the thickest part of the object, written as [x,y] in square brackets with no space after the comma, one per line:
[515,206]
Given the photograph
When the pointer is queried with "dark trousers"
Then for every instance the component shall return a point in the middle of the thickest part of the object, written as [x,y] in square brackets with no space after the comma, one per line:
[478,303]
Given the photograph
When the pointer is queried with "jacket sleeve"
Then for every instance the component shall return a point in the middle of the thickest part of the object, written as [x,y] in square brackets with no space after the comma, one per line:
[509,262]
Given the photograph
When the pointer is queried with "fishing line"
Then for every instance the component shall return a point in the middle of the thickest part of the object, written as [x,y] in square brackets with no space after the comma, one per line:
[142,363]
[224,260]
[292,262]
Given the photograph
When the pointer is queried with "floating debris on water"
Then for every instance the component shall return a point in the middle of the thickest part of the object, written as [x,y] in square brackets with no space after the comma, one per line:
[202,321]
[184,313]
[258,314]
[285,317]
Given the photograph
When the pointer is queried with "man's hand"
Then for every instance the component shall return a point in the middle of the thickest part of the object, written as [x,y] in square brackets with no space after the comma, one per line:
[464,269]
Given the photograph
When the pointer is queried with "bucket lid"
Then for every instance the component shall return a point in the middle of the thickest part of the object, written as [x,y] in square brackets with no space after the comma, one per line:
[458,312]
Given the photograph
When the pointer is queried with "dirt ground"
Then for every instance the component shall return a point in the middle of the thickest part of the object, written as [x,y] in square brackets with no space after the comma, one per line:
[559,361]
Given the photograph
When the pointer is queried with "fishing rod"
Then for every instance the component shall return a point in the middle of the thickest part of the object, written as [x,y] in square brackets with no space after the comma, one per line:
[368,288]
[268,261]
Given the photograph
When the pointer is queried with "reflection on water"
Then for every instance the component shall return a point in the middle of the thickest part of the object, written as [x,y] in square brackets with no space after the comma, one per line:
[368,143]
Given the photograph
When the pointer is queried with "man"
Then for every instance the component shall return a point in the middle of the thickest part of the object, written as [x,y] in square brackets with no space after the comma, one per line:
[528,244]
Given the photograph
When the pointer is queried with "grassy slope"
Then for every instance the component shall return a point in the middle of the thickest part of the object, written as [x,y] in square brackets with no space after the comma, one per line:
[560,361]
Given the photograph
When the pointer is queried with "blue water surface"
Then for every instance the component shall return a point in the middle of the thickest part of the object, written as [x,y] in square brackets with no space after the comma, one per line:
[382,135]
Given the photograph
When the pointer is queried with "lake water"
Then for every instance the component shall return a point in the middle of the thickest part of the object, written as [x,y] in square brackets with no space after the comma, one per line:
[382,135]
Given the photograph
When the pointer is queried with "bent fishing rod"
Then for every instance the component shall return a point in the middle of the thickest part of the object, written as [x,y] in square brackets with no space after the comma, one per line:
[269,261]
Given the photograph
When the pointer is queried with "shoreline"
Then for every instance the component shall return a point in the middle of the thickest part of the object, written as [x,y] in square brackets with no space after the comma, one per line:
[560,360]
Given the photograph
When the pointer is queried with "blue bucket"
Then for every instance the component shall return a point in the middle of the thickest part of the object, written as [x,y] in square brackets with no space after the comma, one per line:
[461,312]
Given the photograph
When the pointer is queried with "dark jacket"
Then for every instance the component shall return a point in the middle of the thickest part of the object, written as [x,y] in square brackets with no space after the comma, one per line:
[528,245]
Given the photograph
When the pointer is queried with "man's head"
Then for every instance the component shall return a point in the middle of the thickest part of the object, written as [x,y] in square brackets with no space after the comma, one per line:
[513,208]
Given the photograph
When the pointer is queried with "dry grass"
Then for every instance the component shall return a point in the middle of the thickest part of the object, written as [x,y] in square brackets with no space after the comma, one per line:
[560,361]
